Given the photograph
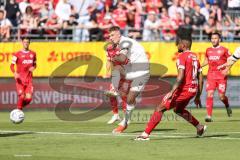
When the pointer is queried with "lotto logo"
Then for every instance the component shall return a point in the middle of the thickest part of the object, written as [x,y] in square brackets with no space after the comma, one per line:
[27,61]
[214,58]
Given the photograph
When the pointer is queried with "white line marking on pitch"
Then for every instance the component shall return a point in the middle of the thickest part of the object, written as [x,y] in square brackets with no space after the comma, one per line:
[160,135]
[226,138]
[22,155]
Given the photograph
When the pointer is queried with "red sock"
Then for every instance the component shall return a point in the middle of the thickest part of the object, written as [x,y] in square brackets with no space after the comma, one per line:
[225,101]
[114,104]
[153,122]
[209,106]
[27,101]
[20,102]
[124,103]
[189,117]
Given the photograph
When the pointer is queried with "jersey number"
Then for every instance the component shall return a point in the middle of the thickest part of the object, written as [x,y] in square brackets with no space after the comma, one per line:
[195,68]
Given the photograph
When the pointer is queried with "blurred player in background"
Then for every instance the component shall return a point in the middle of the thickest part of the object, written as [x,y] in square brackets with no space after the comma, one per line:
[215,56]
[25,61]
[188,85]
[136,67]
[119,83]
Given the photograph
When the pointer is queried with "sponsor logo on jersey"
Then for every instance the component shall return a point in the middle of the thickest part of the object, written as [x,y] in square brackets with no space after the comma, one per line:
[214,58]
[27,61]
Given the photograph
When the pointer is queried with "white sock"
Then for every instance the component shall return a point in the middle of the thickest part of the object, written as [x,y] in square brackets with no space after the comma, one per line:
[115,115]
[128,113]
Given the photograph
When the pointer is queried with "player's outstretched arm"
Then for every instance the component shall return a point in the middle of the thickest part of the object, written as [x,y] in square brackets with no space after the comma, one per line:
[178,82]
[108,68]
[16,75]
[231,60]
[197,99]
[227,66]
[205,62]
[12,68]
[31,69]
[122,56]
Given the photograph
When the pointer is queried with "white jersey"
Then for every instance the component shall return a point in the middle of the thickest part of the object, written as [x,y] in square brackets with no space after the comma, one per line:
[138,62]
[236,55]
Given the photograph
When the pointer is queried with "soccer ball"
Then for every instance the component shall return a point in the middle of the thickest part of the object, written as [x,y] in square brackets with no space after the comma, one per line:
[17,116]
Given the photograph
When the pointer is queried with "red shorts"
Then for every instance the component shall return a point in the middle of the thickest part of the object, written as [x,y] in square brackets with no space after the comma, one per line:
[24,88]
[180,99]
[220,84]
[124,85]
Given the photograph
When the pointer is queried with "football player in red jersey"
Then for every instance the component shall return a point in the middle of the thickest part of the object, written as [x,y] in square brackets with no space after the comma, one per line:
[119,83]
[187,86]
[215,56]
[25,61]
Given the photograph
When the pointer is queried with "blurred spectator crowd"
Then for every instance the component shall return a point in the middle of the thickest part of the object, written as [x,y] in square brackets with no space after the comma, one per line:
[147,20]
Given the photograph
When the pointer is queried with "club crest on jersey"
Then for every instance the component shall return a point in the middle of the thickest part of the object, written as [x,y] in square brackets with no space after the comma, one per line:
[31,56]
[27,61]
[219,52]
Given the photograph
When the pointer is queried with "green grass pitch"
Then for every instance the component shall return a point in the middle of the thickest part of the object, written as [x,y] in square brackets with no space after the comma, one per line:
[43,136]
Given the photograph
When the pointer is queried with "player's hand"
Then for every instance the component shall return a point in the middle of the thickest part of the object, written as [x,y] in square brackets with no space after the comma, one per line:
[198,102]
[169,95]
[225,72]
[16,75]
[31,69]
[221,67]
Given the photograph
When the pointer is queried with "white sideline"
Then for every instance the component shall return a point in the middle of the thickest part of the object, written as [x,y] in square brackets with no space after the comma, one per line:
[160,135]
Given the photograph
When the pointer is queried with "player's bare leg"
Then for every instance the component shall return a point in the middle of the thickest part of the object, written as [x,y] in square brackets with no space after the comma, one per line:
[185,114]
[157,116]
[224,99]
[20,102]
[27,99]
[209,106]
[153,122]
[114,104]
[131,101]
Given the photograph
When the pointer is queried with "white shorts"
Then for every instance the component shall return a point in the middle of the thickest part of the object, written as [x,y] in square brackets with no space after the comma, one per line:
[139,83]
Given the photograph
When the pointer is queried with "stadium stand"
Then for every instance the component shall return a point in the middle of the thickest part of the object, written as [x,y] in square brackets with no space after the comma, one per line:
[146,20]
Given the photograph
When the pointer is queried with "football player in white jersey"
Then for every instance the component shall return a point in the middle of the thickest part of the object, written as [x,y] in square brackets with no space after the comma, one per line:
[136,70]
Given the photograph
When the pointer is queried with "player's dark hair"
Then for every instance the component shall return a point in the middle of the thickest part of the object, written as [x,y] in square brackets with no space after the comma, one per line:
[114,28]
[187,42]
[25,37]
[215,33]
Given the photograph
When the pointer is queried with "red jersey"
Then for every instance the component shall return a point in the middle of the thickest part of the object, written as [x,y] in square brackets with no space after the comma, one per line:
[216,57]
[113,51]
[24,60]
[191,65]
